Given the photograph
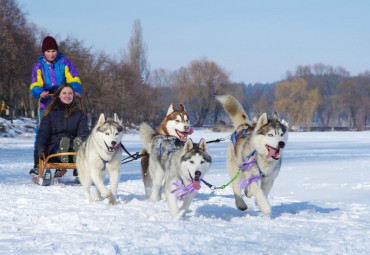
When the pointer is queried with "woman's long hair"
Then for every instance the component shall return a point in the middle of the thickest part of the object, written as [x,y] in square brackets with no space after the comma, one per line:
[70,110]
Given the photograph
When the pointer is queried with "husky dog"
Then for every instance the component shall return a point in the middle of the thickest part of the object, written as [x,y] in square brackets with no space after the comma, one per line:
[257,148]
[177,124]
[101,153]
[175,166]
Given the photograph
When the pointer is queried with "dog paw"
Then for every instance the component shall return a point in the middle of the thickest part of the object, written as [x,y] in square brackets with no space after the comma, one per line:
[153,198]
[164,197]
[106,194]
[242,208]
[240,204]
[112,202]
[90,199]
[265,206]
[179,215]
[266,210]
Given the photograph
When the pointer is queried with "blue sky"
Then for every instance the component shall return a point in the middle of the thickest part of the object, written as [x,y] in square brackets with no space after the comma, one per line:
[255,41]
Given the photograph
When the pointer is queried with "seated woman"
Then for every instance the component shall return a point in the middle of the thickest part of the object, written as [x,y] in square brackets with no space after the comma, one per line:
[63,127]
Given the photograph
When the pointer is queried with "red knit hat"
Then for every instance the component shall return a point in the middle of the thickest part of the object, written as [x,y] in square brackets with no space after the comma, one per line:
[49,43]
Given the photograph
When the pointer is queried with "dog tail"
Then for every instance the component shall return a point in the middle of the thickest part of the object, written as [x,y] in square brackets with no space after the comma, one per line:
[234,109]
[146,134]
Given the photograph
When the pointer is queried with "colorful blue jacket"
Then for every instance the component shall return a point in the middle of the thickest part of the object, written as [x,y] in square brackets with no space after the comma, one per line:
[48,76]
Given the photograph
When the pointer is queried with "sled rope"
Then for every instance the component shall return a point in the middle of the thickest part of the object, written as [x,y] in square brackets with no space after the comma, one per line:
[133,157]
[219,139]
[242,167]
[213,187]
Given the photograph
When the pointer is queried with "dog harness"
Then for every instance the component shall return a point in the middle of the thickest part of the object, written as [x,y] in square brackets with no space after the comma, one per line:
[236,135]
[172,148]
[245,166]
[247,163]
[184,190]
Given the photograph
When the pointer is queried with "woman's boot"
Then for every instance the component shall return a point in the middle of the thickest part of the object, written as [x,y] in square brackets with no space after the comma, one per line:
[64,147]
[35,169]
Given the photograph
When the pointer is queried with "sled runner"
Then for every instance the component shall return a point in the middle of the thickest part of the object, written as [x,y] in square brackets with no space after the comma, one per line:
[45,178]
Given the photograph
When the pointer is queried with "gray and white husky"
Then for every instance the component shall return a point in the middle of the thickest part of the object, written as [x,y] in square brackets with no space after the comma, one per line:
[176,123]
[176,167]
[101,153]
[255,147]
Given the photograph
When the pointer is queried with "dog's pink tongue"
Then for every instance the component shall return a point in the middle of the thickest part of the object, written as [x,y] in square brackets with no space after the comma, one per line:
[272,153]
[196,184]
[190,131]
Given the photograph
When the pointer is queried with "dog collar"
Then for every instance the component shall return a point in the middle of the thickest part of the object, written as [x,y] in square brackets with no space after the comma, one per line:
[104,163]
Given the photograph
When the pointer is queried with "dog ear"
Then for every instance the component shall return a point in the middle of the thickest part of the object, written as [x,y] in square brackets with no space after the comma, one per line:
[182,108]
[116,119]
[170,110]
[203,146]
[188,146]
[101,120]
[262,121]
[254,120]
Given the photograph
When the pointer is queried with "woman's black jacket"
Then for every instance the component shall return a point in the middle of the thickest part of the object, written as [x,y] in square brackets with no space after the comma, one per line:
[54,126]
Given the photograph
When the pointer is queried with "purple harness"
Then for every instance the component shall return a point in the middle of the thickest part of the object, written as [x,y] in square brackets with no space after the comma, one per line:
[245,166]
[182,189]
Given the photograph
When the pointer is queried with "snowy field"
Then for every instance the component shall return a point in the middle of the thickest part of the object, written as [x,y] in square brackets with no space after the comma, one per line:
[320,205]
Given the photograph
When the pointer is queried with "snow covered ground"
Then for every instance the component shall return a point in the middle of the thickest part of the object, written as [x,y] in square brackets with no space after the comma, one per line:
[320,205]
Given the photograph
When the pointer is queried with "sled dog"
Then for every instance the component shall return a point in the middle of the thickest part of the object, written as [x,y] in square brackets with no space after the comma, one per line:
[176,167]
[177,124]
[101,153]
[255,147]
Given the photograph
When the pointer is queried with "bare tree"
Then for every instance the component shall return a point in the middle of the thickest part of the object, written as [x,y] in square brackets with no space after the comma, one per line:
[326,78]
[354,94]
[294,100]
[161,82]
[197,86]
[138,52]
[17,53]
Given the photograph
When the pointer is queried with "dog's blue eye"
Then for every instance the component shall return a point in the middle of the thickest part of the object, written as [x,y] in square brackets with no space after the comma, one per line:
[270,135]
[116,133]
[191,161]
[202,162]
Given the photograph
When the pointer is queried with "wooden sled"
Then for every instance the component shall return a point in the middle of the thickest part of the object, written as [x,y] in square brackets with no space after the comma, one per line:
[45,177]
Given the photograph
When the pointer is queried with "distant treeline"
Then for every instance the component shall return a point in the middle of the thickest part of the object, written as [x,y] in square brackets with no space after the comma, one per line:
[318,95]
